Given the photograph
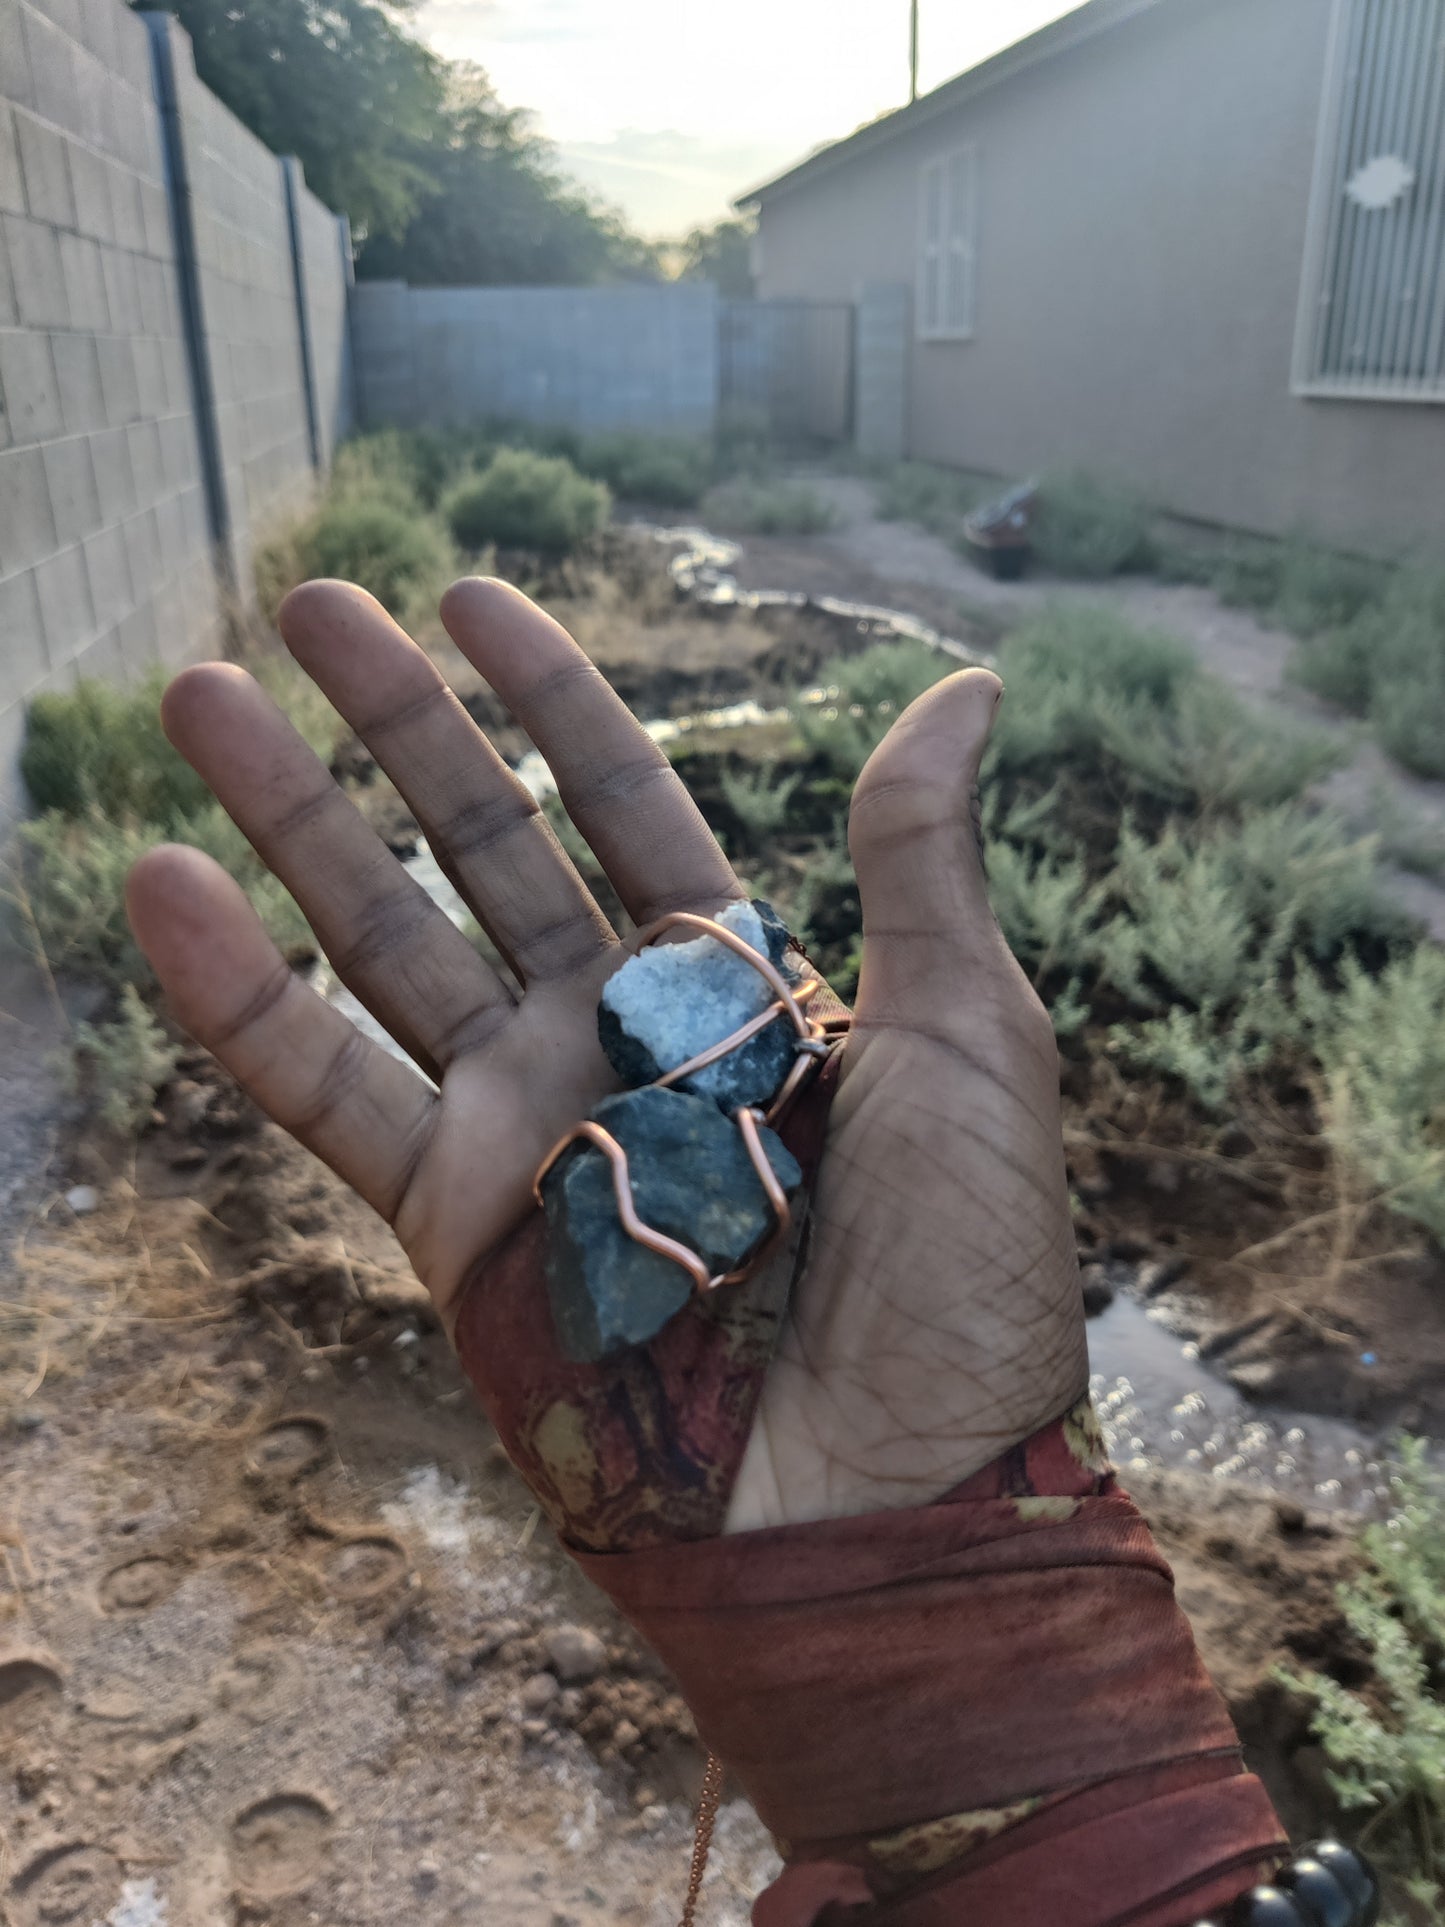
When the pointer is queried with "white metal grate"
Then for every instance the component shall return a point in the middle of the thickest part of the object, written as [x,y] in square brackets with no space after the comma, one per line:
[1372,304]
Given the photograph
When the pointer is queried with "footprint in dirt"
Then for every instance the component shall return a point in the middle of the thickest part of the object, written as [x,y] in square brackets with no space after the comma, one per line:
[77,1882]
[364,1567]
[278,1844]
[29,1685]
[258,1683]
[138,1584]
[289,1450]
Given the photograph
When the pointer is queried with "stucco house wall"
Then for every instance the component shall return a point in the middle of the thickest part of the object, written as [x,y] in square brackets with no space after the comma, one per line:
[1142,205]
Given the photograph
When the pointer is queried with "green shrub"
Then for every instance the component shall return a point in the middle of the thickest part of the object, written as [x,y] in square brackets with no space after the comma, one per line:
[769,508]
[1381,1043]
[74,869]
[759,799]
[522,500]
[1388,662]
[872,689]
[1132,710]
[1086,526]
[1387,1750]
[102,749]
[664,469]
[379,466]
[392,551]
[936,499]
[120,1065]
[743,440]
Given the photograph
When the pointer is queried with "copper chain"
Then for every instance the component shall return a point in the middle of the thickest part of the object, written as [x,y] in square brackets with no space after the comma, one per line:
[707,1806]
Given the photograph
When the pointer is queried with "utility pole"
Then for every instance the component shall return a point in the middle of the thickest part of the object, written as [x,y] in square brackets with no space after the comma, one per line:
[913,53]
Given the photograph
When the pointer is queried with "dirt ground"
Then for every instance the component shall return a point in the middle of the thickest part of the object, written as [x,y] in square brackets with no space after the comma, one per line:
[282,1639]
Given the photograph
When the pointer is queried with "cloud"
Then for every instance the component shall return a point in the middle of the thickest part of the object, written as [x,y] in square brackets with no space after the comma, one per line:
[478,23]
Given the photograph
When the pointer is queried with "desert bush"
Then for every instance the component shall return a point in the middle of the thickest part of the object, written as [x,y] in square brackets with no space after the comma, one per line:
[865,694]
[757,507]
[1388,662]
[759,799]
[392,551]
[1085,525]
[73,872]
[1131,709]
[1211,1051]
[743,442]
[670,470]
[1387,1750]
[1381,1044]
[523,500]
[102,749]
[119,1065]
[936,499]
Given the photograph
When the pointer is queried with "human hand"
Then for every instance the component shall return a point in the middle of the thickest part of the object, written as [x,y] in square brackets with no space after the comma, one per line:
[938,1320]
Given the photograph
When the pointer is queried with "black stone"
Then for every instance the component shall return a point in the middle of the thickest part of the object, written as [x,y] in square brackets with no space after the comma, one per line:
[1324,1902]
[691,1178]
[1355,1875]
[1266,1907]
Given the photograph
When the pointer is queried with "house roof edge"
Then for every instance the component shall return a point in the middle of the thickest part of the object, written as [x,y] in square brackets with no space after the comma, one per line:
[1059,36]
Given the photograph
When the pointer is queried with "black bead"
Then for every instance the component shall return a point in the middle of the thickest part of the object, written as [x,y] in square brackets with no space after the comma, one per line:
[1315,1891]
[1267,1907]
[1355,1875]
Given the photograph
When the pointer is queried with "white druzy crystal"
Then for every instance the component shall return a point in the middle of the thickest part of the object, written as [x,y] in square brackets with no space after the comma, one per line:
[678,999]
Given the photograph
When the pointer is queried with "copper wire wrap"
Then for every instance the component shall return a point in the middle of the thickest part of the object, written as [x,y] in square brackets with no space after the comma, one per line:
[812,1046]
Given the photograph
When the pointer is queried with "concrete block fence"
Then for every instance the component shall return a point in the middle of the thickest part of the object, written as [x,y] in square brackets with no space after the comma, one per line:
[174,360]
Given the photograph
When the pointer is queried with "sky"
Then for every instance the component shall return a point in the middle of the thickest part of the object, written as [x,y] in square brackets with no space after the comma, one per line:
[671,108]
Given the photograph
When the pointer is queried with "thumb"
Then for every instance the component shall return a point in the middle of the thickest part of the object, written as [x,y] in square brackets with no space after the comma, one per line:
[926,915]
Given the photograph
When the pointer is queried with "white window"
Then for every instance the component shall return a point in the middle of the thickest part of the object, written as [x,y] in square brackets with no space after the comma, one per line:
[1372,304]
[948,245]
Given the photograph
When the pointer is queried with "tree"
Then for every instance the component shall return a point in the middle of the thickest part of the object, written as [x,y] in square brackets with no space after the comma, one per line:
[721,253]
[497,209]
[338,83]
[444,185]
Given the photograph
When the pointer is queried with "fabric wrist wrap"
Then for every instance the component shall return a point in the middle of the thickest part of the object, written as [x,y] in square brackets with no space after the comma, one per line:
[984,1712]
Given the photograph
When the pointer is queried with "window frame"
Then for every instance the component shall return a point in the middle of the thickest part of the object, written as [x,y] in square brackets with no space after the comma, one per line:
[952,241]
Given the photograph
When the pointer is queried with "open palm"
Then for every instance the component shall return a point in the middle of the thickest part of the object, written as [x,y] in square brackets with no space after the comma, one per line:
[938,1319]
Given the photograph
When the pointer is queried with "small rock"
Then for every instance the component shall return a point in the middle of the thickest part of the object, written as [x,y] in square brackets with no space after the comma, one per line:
[1234,1141]
[405,1337]
[625,1734]
[539,1692]
[190,1158]
[27,1419]
[1094,1188]
[251,1371]
[310,1373]
[82,1199]
[576,1654]
[361,1366]
[1256,1377]
[1164,1174]
[427,1878]
[535,1729]
[643,1798]
[1289,1516]
[653,1817]
[1098,1290]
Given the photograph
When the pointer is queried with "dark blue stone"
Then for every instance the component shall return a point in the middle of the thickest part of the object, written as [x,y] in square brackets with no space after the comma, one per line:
[691,1178]
[1266,1907]
[1355,1875]
[1314,1890]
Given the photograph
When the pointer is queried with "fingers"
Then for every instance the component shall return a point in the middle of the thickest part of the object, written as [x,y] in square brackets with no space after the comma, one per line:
[927,924]
[480,820]
[368,1115]
[393,948]
[618,787]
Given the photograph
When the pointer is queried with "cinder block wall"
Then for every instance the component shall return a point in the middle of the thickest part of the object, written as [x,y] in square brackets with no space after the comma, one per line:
[642,357]
[120,543]
[104,544]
